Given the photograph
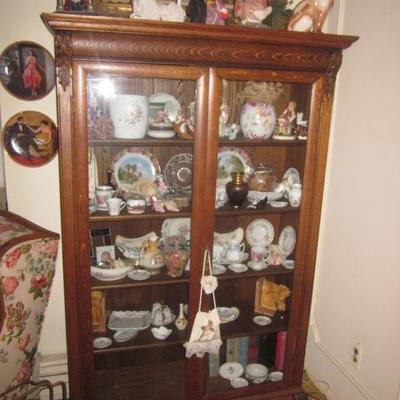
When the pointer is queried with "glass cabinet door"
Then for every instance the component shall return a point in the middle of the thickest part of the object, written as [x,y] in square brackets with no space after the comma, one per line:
[261,126]
[143,174]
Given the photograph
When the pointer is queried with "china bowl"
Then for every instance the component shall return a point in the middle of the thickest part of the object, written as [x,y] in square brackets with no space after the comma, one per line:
[161,332]
[111,274]
[124,335]
[256,373]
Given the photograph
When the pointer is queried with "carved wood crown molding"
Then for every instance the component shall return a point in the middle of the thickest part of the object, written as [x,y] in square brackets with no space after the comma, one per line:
[63,49]
[335,61]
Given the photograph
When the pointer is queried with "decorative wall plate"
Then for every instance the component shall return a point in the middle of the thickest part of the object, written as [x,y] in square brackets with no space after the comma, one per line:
[287,240]
[178,172]
[292,176]
[30,138]
[167,103]
[176,227]
[27,70]
[260,232]
[232,159]
[134,169]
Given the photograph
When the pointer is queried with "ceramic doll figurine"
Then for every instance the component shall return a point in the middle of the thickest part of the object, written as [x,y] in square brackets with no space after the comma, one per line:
[216,12]
[197,11]
[287,119]
[252,11]
[309,15]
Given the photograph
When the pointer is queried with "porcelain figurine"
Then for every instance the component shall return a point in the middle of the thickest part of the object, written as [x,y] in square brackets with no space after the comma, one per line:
[151,257]
[173,12]
[309,15]
[146,9]
[252,11]
[216,12]
[181,322]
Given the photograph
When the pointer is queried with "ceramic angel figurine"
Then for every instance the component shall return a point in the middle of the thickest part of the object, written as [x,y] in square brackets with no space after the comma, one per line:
[309,15]
[252,11]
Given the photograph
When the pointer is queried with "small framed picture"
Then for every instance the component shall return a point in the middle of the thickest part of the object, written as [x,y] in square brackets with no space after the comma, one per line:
[105,254]
[27,70]
[30,138]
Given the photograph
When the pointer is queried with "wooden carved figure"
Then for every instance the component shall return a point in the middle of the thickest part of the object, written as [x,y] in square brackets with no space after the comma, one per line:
[309,15]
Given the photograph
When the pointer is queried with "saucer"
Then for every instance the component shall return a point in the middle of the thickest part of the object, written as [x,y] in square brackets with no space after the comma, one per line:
[257,266]
[218,269]
[238,267]
[262,320]
[101,342]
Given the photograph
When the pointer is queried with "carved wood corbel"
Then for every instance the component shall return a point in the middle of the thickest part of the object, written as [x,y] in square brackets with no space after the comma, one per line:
[63,51]
[335,61]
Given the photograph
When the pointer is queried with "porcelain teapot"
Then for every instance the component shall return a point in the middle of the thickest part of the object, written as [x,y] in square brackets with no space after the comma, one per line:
[235,250]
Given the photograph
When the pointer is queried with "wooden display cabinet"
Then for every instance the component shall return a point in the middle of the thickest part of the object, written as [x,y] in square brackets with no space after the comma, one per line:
[206,65]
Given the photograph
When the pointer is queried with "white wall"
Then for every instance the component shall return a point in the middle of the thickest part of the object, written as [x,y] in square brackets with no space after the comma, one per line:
[357,292]
[34,192]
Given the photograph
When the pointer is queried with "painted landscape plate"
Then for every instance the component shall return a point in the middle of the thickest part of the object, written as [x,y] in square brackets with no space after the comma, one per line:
[260,232]
[178,172]
[232,159]
[134,170]
[287,240]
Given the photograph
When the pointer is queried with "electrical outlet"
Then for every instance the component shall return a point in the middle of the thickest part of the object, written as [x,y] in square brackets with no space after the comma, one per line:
[356,356]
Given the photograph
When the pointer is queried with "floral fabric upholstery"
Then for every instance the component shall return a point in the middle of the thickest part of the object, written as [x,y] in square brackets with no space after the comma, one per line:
[27,272]
[10,230]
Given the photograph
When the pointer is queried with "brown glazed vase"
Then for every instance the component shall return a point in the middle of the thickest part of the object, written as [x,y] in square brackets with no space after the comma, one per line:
[237,189]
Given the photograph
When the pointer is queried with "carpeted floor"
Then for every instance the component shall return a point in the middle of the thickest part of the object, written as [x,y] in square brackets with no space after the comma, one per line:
[313,392]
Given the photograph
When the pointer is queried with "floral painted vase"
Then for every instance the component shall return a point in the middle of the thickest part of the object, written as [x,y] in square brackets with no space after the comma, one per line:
[257,120]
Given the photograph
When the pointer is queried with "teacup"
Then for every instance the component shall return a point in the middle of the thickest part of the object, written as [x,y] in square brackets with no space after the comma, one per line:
[115,205]
[103,193]
[260,254]
[219,252]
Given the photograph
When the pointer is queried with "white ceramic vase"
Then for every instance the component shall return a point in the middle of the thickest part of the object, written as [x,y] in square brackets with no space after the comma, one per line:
[130,115]
[257,120]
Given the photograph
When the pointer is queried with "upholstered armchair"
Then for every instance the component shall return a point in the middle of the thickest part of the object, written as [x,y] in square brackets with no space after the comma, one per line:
[27,265]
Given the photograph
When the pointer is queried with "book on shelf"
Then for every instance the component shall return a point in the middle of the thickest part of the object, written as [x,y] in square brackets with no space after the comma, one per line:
[281,339]
[253,349]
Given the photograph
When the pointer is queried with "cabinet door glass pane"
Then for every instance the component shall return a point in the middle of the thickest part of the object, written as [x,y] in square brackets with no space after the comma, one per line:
[141,156]
[262,136]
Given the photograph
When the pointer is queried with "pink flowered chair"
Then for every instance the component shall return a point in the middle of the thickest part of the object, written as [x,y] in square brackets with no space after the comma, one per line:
[27,264]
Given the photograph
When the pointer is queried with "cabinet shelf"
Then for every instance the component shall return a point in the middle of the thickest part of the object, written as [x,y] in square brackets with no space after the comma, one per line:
[124,216]
[160,279]
[228,210]
[241,141]
[147,142]
[243,326]
[163,279]
[144,340]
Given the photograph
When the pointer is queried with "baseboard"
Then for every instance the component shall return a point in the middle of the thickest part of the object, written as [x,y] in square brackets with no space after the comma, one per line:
[53,368]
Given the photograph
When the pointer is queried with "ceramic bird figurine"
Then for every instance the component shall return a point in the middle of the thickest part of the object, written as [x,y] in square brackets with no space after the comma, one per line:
[309,15]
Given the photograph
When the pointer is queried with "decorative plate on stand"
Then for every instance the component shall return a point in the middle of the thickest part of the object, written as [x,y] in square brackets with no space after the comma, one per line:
[232,159]
[178,172]
[134,169]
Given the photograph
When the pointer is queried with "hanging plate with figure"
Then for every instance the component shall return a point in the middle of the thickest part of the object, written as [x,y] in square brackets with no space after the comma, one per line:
[27,70]
[30,138]
[232,159]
